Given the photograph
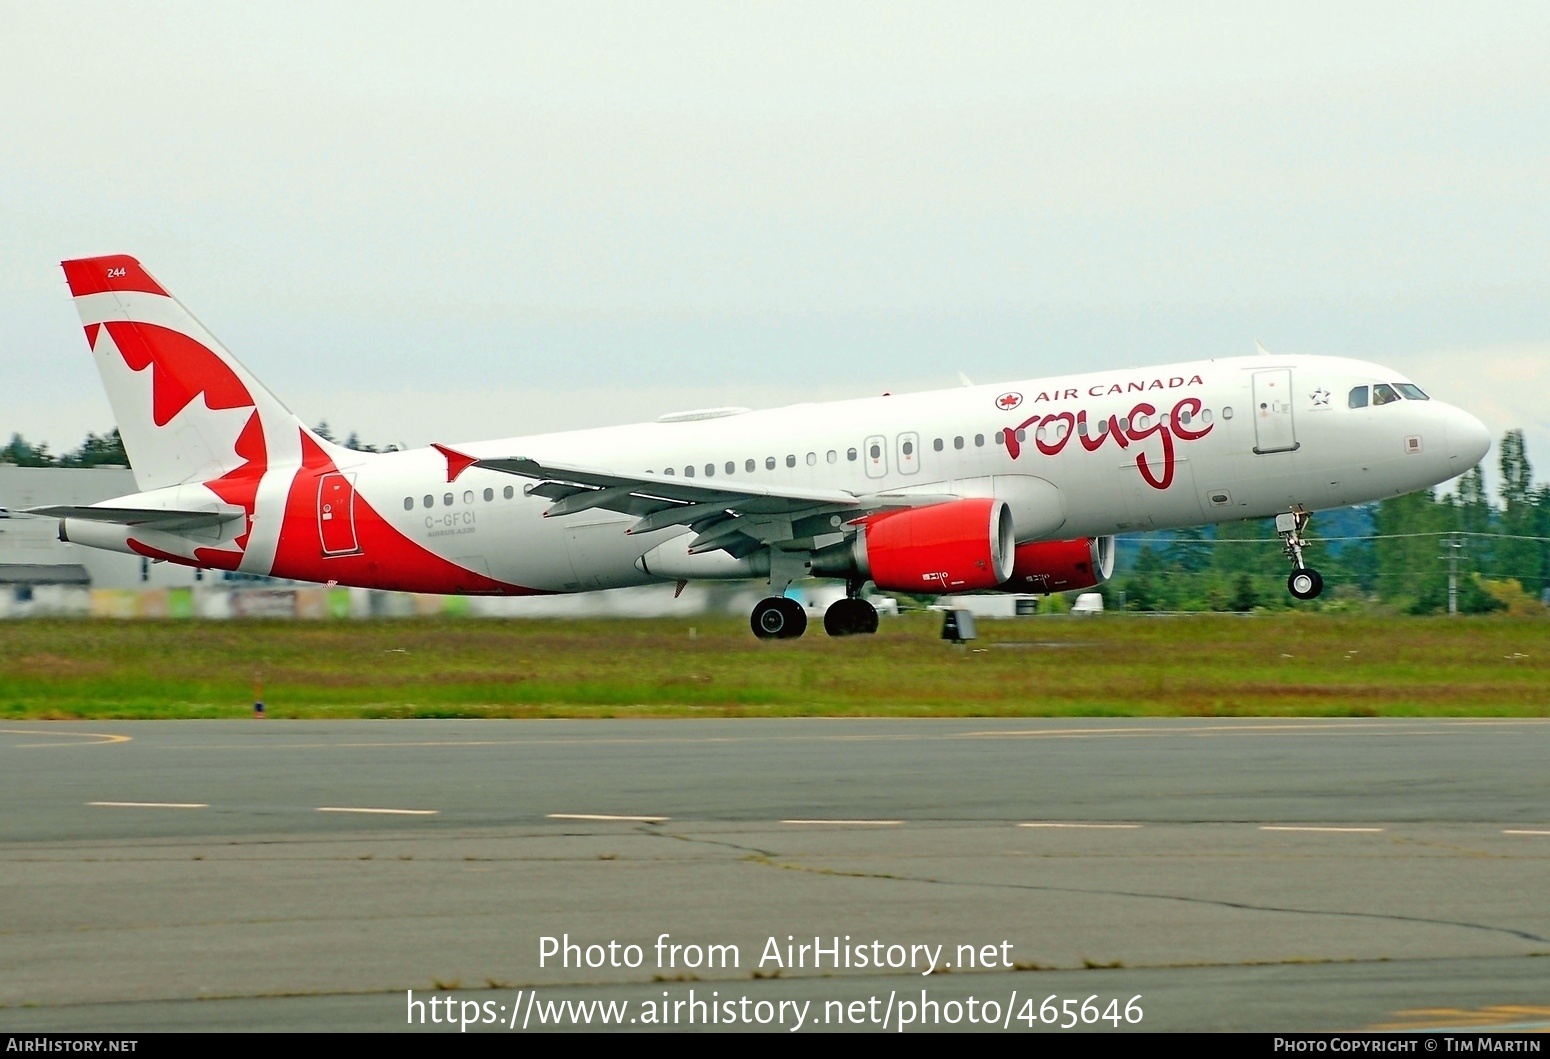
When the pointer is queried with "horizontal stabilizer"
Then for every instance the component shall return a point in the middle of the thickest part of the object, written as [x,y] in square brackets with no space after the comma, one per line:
[150,518]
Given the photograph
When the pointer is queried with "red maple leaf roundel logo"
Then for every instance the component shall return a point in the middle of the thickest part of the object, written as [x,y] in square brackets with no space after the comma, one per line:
[1008,401]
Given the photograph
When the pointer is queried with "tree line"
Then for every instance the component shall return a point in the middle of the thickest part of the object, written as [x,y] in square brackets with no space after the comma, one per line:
[107,450]
[1400,553]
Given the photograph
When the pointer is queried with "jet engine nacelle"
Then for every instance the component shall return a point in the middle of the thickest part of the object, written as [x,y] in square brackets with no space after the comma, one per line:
[954,547]
[1061,566]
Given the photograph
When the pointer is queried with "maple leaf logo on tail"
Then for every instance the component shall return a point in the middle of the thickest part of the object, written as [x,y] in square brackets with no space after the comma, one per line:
[188,412]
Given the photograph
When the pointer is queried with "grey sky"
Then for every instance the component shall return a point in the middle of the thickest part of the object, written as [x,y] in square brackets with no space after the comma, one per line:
[451,221]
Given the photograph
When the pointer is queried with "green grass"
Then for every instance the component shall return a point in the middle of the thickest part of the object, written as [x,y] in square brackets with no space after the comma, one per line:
[1206,665]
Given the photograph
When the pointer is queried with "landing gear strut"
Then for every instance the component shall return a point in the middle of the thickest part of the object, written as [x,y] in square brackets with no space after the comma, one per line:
[1304,583]
[850,617]
[778,618]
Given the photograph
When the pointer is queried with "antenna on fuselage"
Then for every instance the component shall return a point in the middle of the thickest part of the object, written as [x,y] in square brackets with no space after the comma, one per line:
[965,379]
[1260,346]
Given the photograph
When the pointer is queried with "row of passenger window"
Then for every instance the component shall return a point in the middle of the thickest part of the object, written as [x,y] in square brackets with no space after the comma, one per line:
[1383,393]
[1048,433]
[447,499]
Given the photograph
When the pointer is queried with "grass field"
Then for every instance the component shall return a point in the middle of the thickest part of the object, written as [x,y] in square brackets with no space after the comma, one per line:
[1205,665]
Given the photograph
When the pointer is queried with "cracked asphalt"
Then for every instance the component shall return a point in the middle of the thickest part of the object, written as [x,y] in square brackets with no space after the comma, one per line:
[1254,874]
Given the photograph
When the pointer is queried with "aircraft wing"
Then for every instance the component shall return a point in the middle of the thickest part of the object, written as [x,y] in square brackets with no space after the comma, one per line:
[736,517]
[150,518]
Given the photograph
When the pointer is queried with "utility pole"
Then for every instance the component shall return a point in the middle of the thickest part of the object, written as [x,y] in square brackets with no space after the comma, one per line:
[1454,546]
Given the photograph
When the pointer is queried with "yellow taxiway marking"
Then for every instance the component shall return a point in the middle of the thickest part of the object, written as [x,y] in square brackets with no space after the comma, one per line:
[1096,827]
[1341,830]
[1519,831]
[848,823]
[610,818]
[97,738]
[1501,1017]
[378,812]
[151,805]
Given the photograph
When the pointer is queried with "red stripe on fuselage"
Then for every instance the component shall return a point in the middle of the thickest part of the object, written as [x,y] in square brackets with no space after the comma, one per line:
[386,559]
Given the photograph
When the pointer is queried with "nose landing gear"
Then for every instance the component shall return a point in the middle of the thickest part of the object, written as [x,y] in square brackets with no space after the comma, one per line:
[1304,582]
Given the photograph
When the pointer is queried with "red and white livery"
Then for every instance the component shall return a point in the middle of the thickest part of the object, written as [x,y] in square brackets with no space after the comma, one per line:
[1018,486]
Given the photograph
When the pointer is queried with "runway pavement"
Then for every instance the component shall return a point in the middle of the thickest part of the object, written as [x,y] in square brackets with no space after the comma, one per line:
[1253,874]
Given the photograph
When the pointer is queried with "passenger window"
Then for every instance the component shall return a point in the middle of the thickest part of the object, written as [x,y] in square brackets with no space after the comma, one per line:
[447,500]
[430,501]
[408,503]
[1412,392]
[689,472]
[979,441]
[1382,394]
[749,466]
[1227,411]
[832,457]
[668,471]
[731,467]
[1124,422]
[1022,435]
[791,460]
[812,459]
[958,442]
[710,470]
[468,496]
[508,492]
[997,438]
[1205,417]
[1103,426]
[908,448]
[850,454]
[769,463]
[1358,398]
[876,452]
[937,444]
[489,494]
[1081,428]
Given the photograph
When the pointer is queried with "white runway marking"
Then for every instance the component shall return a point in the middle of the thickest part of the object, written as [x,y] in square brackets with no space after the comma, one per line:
[380,812]
[610,818]
[152,805]
[1506,831]
[1341,830]
[849,823]
[1101,827]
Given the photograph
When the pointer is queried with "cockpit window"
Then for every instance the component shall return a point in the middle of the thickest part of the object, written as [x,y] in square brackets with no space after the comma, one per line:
[1383,393]
[1358,397]
[1412,391]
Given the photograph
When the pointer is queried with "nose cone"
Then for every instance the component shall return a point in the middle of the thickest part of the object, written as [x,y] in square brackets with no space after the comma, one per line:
[1468,440]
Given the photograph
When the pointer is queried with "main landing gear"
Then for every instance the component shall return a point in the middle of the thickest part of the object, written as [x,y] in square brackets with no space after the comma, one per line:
[1304,582]
[850,617]
[778,618]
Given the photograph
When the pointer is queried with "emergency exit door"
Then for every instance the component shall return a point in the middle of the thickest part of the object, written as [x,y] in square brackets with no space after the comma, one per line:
[1274,429]
[336,513]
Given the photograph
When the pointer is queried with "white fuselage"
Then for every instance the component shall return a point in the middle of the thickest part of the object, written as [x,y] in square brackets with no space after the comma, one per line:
[1242,454]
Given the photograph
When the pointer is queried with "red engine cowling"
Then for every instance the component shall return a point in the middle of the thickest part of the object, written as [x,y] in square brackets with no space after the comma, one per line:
[1061,566]
[958,546]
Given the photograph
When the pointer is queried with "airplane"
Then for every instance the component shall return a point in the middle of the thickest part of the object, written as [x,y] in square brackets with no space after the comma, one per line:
[1017,487]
